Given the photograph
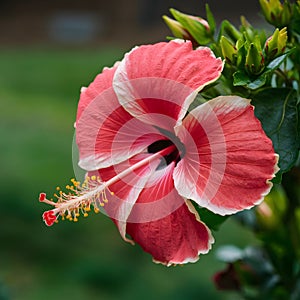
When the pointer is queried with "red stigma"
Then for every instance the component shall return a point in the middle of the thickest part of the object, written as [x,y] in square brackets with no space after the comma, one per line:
[49,217]
[42,197]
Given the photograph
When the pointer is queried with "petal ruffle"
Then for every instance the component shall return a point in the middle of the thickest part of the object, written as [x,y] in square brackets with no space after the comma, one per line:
[229,160]
[156,83]
[106,134]
[177,238]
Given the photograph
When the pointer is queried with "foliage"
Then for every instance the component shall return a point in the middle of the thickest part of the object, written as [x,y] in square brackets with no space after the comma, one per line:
[267,71]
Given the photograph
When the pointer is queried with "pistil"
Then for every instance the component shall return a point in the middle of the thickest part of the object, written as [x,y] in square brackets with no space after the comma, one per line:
[92,192]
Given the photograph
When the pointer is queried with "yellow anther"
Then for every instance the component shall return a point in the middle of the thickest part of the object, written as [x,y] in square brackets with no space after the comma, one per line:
[76,183]
[80,198]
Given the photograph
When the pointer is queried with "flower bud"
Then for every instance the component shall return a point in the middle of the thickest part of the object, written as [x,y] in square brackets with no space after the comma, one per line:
[229,51]
[275,44]
[231,31]
[276,13]
[254,60]
[196,27]
[270,212]
[227,280]
[177,29]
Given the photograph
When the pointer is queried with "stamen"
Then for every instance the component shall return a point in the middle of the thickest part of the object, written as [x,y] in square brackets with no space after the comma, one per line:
[78,200]
[92,192]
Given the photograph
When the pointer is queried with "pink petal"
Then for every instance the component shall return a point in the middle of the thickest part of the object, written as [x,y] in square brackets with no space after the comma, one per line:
[229,160]
[142,196]
[146,206]
[175,239]
[106,134]
[157,83]
[123,194]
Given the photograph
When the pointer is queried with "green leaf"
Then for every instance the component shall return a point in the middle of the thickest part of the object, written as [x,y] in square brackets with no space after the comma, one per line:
[275,63]
[210,19]
[277,110]
[241,78]
[212,220]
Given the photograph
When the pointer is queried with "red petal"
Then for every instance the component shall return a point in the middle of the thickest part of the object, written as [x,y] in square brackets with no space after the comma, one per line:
[147,207]
[161,80]
[105,133]
[175,239]
[144,195]
[229,160]
[126,190]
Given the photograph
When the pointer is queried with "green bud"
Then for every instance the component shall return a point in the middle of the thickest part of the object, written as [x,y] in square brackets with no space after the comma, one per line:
[271,211]
[245,23]
[197,27]
[241,52]
[228,29]
[229,51]
[254,60]
[176,28]
[240,42]
[276,44]
[247,29]
[276,13]
[286,14]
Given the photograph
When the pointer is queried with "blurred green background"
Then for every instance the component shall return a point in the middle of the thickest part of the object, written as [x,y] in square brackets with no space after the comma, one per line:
[39,91]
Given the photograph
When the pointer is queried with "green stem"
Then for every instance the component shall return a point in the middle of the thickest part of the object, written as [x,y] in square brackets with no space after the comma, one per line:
[282,74]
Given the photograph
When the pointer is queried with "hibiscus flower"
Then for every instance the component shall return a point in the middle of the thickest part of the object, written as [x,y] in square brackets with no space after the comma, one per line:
[147,157]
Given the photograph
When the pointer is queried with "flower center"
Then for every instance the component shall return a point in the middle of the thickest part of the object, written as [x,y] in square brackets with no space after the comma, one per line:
[174,156]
